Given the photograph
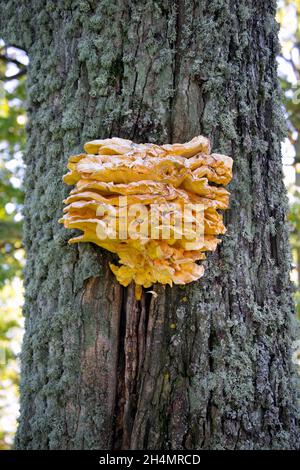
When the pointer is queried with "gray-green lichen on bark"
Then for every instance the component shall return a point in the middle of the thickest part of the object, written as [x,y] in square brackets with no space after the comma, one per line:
[160,71]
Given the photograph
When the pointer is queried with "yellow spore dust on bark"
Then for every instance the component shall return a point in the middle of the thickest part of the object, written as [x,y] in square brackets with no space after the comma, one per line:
[154,176]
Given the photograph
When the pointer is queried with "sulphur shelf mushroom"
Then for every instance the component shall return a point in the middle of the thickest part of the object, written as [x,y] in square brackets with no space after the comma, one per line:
[115,175]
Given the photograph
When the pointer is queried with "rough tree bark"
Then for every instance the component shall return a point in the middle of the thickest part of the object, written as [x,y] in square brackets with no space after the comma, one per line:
[100,370]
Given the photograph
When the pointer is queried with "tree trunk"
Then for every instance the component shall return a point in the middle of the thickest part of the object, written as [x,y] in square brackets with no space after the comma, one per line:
[206,366]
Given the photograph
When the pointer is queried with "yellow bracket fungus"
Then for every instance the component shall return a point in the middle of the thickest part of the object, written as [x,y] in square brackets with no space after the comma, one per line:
[116,175]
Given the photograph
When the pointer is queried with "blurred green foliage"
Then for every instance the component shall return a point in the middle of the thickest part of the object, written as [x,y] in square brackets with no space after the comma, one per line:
[290,54]
[11,299]
[12,142]
[289,61]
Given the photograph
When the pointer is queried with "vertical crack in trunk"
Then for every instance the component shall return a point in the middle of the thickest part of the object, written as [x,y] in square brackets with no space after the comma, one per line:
[132,347]
[117,431]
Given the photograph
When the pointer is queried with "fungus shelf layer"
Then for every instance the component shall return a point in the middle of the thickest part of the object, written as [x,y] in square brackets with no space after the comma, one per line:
[149,187]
